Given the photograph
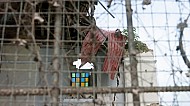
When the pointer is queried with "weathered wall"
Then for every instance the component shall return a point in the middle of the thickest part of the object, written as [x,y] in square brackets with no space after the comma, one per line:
[19,70]
[146,76]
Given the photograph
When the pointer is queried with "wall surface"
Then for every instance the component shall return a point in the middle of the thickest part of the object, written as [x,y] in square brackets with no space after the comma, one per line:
[18,69]
[147,77]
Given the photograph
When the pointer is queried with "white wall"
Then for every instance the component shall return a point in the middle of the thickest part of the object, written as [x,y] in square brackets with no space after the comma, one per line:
[147,77]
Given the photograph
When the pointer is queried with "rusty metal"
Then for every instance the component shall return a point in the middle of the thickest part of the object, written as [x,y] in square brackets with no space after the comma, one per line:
[132,53]
[100,90]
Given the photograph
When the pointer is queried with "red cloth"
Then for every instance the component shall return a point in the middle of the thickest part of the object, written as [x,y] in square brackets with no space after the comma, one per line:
[87,49]
[116,45]
[115,52]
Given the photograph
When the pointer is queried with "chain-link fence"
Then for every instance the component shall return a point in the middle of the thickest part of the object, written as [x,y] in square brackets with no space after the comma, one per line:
[94,52]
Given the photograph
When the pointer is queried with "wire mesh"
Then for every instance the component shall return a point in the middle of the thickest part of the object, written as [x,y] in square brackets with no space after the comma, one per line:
[77,53]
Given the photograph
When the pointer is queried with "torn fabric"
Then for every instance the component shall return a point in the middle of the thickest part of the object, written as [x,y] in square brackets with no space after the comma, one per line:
[116,46]
[90,46]
[115,51]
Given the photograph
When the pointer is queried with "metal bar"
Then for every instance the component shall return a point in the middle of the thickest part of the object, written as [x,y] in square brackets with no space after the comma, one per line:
[106,9]
[56,65]
[103,90]
[41,0]
[132,53]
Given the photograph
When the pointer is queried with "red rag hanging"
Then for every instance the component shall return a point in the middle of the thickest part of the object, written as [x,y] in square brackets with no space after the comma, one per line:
[116,45]
[90,48]
[115,52]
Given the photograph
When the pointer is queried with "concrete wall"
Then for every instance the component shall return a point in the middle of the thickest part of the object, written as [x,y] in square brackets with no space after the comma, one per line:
[147,77]
[19,70]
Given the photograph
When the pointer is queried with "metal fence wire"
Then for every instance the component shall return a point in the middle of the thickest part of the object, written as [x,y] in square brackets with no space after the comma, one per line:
[94,53]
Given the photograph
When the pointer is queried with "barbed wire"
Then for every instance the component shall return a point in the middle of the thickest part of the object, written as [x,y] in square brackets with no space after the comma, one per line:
[34,63]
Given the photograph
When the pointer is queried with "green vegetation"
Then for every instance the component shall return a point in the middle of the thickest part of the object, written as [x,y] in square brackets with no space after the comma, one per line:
[139,45]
